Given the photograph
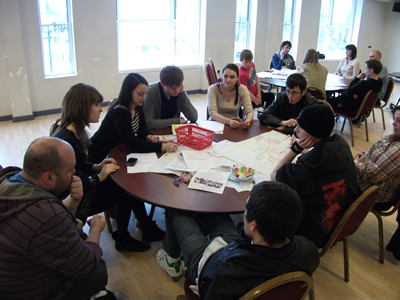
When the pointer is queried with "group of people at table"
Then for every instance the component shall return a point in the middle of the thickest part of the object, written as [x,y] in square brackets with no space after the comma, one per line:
[66,177]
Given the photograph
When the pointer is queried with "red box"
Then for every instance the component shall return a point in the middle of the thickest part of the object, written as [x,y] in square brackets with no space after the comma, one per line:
[194,136]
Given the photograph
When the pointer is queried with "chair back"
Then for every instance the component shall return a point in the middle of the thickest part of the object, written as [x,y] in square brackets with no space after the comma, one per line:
[294,285]
[353,217]
[211,77]
[109,104]
[270,65]
[316,92]
[54,126]
[389,90]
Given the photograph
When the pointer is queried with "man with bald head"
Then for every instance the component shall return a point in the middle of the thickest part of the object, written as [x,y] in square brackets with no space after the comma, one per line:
[42,254]
[383,75]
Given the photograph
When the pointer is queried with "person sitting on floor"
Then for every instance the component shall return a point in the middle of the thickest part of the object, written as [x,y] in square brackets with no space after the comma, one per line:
[358,88]
[282,113]
[248,77]
[42,254]
[167,99]
[218,259]
[380,166]
[325,177]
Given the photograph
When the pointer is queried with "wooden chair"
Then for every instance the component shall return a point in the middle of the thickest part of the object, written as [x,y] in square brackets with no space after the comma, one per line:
[383,210]
[293,285]
[316,92]
[382,103]
[53,129]
[349,223]
[363,111]
[210,72]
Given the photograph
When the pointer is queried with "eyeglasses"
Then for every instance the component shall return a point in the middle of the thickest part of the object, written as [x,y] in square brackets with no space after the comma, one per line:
[294,93]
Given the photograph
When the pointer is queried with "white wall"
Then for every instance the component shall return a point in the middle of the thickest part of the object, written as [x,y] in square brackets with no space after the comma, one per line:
[96,47]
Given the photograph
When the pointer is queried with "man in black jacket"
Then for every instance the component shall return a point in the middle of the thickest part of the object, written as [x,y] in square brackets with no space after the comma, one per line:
[283,112]
[224,266]
[360,86]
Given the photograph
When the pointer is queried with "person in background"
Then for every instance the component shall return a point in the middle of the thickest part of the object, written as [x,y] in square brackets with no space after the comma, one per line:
[42,254]
[383,74]
[349,67]
[325,177]
[167,100]
[282,59]
[220,264]
[125,123]
[359,87]
[248,77]
[380,166]
[224,99]
[314,73]
[283,112]
[80,107]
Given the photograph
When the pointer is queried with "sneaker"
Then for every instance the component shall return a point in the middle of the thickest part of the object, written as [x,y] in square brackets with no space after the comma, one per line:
[151,233]
[171,265]
[183,265]
[128,243]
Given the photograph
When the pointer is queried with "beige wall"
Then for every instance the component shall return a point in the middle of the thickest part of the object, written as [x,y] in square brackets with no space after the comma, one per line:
[96,47]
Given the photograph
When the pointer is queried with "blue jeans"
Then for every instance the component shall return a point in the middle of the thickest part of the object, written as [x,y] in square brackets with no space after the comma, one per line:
[190,234]
[84,288]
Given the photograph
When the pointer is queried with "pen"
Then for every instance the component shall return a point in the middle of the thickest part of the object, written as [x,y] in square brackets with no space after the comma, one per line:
[234,180]
[250,122]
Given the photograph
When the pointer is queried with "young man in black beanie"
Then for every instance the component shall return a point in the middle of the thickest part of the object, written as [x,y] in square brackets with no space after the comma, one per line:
[325,177]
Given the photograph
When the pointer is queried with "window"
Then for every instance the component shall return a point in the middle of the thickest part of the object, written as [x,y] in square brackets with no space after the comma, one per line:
[242,27]
[56,34]
[155,33]
[335,27]
[288,21]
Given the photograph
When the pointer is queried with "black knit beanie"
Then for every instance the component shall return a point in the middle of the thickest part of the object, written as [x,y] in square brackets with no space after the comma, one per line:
[317,120]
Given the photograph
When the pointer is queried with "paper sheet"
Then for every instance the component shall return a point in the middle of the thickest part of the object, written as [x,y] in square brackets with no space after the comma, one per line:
[212,181]
[217,127]
[144,162]
[195,159]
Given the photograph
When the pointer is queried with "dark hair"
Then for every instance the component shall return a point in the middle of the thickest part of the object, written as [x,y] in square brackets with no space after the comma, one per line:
[296,80]
[42,156]
[75,109]
[284,43]
[353,50]
[276,208]
[171,76]
[234,68]
[374,64]
[246,55]
[130,83]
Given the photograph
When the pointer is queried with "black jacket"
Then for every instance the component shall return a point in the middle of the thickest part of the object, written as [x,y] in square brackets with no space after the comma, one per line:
[281,109]
[240,266]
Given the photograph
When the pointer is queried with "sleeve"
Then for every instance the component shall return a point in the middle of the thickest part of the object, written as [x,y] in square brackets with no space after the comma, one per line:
[65,251]
[338,69]
[295,176]
[384,169]
[354,87]
[212,97]
[293,66]
[152,109]
[269,117]
[245,99]
[122,122]
[143,130]
[300,70]
[186,107]
[276,62]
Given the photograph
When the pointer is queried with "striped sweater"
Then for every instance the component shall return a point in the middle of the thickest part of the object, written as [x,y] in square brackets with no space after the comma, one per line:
[41,253]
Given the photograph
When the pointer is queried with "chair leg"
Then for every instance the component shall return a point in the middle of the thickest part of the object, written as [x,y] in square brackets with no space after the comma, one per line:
[344,122]
[373,114]
[383,119]
[346,260]
[351,133]
[380,233]
[311,295]
[107,217]
[366,128]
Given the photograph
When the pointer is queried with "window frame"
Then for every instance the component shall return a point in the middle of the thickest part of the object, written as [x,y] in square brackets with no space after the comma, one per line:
[70,29]
[172,20]
[250,32]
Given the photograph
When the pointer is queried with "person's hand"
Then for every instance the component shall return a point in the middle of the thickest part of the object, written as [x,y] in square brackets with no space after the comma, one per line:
[307,142]
[246,124]
[107,170]
[357,156]
[234,124]
[151,138]
[290,123]
[76,188]
[282,54]
[355,96]
[100,166]
[361,75]
[97,223]
[257,101]
[292,140]
[169,147]
[182,120]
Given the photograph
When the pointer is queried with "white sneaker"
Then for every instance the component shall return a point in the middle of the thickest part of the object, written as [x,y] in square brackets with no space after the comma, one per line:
[171,265]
